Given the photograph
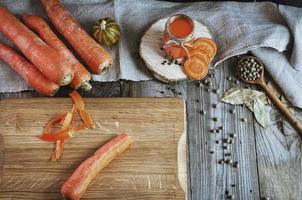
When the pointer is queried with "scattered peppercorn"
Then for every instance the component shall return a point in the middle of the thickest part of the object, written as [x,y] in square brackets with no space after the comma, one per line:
[214,105]
[212,152]
[243,119]
[236,165]
[218,141]
[161,48]
[233,185]
[197,100]
[203,112]
[232,111]
[221,161]
[215,119]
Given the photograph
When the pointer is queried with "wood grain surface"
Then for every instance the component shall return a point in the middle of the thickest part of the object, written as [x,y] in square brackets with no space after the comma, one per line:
[148,170]
[270,159]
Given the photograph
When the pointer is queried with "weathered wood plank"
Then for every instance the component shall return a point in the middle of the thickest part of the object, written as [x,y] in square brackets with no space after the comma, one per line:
[99,89]
[279,160]
[210,180]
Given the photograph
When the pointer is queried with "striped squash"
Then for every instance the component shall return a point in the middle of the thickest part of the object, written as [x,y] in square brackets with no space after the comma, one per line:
[106,31]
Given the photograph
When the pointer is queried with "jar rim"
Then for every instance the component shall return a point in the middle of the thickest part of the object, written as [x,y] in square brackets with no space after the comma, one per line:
[183,39]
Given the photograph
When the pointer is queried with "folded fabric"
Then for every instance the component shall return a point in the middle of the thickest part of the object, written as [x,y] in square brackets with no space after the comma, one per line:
[236,27]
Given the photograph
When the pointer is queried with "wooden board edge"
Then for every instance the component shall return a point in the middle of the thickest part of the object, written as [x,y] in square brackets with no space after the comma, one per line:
[182,157]
[1,157]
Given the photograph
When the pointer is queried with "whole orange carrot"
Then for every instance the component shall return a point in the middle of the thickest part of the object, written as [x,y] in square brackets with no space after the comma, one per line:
[76,185]
[95,56]
[45,58]
[38,25]
[27,71]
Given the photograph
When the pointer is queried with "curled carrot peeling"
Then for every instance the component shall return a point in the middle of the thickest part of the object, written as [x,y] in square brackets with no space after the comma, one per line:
[66,124]
[78,100]
[58,150]
[60,135]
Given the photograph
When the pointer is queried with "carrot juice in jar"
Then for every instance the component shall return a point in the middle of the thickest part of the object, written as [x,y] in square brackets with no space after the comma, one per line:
[178,36]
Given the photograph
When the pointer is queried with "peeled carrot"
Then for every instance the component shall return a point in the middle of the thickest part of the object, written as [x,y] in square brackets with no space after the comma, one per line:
[45,58]
[38,25]
[76,185]
[95,56]
[27,71]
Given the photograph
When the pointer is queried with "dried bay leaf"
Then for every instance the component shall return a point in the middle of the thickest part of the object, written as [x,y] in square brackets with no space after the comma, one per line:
[238,96]
[261,113]
[254,100]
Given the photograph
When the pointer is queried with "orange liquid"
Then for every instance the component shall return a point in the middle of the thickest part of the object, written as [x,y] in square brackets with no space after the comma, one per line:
[180,27]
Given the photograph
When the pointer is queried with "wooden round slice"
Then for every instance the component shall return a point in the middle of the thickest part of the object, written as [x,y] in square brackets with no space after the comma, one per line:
[151,53]
[195,68]
[206,44]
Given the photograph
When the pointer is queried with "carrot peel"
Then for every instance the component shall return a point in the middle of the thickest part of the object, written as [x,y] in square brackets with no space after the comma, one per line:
[81,107]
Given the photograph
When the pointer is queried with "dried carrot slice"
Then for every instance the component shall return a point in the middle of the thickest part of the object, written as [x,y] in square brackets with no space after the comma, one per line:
[207,45]
[195,68]
[201,54]
[77,99]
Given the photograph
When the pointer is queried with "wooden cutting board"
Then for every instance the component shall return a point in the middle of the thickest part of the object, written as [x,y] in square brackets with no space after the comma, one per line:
[153,168]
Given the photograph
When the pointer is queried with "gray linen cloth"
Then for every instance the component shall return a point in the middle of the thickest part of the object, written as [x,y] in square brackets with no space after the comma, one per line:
[271,32]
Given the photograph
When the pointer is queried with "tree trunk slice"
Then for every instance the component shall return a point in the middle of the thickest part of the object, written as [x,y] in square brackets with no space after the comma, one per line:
[151,53]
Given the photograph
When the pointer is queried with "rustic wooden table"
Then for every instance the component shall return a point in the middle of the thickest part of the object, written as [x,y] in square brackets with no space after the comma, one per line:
[269,160]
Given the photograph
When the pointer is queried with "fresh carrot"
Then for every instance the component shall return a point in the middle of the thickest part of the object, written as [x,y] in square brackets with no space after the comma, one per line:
[45,58]
[195,68]
[76,185]
[79,102]
[95,56]
[27,71]
[38,25]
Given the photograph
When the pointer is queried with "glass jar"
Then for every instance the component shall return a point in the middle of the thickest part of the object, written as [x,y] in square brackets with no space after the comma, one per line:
[178,36]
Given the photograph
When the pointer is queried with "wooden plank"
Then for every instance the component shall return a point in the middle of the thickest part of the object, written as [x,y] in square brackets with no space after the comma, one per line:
[279,159]
[148,170]
[210,180]
[99,89]
[207,179]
